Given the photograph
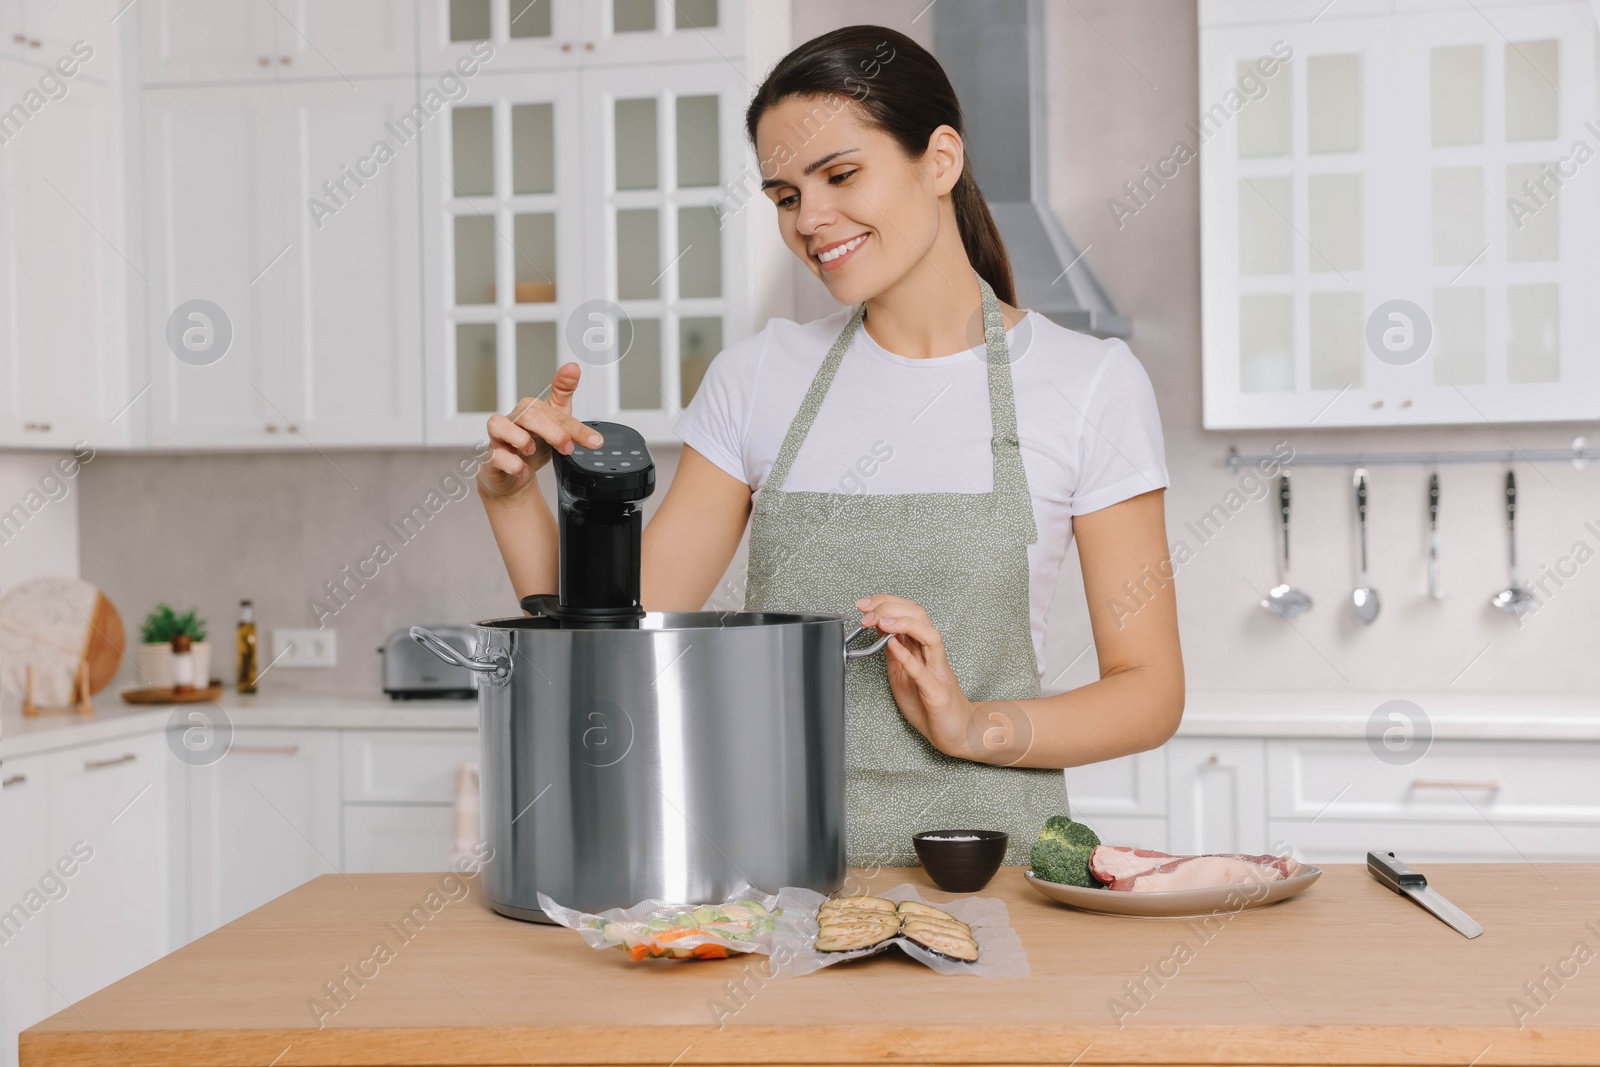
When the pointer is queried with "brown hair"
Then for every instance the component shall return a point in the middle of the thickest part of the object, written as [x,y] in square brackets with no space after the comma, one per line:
[901,89]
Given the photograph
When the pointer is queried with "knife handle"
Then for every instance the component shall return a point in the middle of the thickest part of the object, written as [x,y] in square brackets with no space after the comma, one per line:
[1391,872]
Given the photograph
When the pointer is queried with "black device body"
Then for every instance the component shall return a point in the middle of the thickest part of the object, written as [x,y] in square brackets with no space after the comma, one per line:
[601,530]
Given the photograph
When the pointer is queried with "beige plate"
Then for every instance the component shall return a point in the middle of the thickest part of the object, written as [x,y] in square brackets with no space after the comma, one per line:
[1177,903]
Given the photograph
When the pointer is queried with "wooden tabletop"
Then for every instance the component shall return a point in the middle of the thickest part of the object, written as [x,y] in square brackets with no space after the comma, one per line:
[1349,972]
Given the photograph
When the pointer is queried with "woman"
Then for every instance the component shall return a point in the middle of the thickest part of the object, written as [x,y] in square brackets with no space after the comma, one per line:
[923,458]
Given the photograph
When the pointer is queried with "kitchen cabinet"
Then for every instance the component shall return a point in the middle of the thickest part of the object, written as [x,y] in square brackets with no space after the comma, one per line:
[1216,789]
[544,34]
[385,838]
[25,844]
[64,269]
[261,820]
[40,31]
[244,40]
[1124,800]
[271,203]
[1397,224]
[85,877]
[582,215]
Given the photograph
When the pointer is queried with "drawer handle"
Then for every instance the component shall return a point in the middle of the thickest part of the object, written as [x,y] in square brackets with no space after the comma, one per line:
[97,764]
[265,750]
[1490,784]
[13,779]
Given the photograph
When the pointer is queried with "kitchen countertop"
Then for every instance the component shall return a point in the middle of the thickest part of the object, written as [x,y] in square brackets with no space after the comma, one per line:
[1348,972]
[1208,713]
[114,718]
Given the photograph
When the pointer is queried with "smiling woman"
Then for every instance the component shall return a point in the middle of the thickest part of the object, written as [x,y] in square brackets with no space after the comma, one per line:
[1010,435]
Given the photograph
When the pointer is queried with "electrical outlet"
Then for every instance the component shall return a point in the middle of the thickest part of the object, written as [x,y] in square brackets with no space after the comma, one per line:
[298,649]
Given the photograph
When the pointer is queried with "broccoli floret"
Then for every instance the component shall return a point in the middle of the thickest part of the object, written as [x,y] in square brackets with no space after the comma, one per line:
[1062,853]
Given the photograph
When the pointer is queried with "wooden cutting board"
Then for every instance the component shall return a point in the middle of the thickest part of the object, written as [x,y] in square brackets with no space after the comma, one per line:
[50,623]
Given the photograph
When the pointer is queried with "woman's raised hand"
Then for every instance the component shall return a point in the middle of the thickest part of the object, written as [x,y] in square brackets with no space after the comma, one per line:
[522,443]
[920,677]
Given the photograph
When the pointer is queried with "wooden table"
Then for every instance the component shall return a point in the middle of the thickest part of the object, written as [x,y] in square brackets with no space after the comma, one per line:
[1349,972]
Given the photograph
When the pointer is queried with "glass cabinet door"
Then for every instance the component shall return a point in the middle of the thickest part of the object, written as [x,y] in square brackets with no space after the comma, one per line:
[1397,224]
[668,251]
[503,253]
[517,33]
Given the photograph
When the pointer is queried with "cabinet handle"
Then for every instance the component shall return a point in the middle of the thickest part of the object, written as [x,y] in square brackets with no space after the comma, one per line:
[42,427]
[33,44]
[13,779]
[1213,759]
[588,46]
[97,764]
[291,428]
[264,61]
[1490,784]
[566,46]
[19,38]
[265,750]
[284,60]
[272,427]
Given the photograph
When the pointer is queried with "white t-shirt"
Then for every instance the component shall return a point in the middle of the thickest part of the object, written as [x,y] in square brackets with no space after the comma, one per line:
[1086,419]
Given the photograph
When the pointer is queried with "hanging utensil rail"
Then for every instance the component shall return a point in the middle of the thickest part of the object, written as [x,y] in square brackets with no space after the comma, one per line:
[1580,455]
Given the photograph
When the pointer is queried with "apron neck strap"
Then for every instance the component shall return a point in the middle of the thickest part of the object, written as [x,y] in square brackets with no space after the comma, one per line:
[1009,476]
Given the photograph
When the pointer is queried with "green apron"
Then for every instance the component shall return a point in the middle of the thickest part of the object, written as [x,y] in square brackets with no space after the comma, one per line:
[963,557]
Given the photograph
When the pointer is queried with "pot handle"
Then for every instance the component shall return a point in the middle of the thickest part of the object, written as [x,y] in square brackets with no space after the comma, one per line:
[498,669]
[862,653]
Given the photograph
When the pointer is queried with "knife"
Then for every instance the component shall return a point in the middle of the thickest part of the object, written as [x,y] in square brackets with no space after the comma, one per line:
[1397,876]
[1433,538]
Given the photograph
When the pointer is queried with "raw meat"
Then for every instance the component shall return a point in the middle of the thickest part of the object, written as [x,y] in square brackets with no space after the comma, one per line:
[1143,870]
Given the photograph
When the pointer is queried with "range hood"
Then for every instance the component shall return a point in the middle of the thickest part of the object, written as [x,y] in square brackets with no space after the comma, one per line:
[993,51]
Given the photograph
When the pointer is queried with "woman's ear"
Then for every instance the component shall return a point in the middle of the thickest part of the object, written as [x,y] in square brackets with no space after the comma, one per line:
[947,156]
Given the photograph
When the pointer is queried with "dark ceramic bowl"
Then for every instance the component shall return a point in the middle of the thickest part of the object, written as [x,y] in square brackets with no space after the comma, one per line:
[960,866]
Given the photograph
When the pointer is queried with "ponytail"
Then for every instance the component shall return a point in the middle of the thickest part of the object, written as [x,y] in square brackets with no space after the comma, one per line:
[901,89]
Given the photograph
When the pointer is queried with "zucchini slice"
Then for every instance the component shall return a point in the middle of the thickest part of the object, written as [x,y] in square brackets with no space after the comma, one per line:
[850,937]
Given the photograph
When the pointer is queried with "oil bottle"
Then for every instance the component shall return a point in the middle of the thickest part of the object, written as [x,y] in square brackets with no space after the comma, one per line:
[247,647]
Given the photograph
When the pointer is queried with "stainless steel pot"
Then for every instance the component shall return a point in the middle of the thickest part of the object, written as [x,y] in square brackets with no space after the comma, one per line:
[674,759]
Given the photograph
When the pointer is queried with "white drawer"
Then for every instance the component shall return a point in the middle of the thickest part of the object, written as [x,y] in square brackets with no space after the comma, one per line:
[1129,785]
[387,838]
[1421,843]
[405,766]
[1455,781]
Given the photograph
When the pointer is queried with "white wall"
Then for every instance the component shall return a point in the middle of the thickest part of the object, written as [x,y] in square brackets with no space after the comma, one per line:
[42,537]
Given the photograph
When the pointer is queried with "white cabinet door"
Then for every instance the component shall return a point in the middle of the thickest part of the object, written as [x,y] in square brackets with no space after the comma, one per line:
[1218,795]
[42,31]
[108,808]
[262,820]
[275,205]
[63,271]
[656,31]
[212,160]
[507,34]
[387,838]
[209,40]
[405,766]
[347,39]
[667,248]
[503,246]
[346,210]
[28,880]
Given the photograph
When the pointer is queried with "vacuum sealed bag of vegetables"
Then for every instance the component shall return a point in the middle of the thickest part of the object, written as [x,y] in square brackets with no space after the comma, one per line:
[658,930]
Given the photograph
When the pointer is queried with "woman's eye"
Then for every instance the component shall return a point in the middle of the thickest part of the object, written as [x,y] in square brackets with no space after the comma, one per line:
[841,178]
[788,201]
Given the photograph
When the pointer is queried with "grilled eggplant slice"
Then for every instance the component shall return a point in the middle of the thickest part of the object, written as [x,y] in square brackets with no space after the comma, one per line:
[921,910]
[936,937]
[857,915]
[849,937]
[873,903]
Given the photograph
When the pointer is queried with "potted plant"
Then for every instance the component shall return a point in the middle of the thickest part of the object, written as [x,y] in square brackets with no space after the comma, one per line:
[155,654]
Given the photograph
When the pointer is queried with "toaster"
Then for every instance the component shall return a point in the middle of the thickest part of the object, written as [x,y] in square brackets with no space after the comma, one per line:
[411,671]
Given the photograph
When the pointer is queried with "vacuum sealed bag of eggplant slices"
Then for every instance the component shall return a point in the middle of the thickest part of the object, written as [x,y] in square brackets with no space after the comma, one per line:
[656,929]
[972,935]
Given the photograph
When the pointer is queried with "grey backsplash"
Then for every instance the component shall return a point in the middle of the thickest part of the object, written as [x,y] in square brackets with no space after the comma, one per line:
[208,531]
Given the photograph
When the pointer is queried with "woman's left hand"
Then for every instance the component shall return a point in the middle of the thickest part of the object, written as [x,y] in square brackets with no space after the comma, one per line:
[920,677]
